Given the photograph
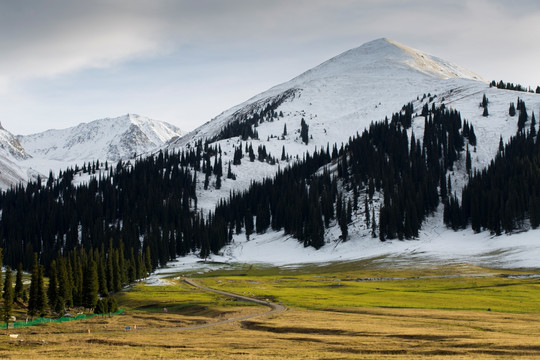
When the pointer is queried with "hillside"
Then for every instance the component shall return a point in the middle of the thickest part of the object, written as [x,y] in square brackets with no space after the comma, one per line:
[365,149]
[341,97]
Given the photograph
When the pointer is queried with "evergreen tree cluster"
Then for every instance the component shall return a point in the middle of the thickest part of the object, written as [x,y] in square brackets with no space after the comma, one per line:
[484,104]
[515,87]
[404,117]
[303,202]
[245,125]
[501,197]
[145,205]
[523,116]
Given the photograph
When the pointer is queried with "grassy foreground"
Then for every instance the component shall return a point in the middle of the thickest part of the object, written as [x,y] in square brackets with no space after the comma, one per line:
[338,311]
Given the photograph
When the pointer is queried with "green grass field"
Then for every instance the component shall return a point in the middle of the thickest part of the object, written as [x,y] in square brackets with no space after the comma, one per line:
[323,287]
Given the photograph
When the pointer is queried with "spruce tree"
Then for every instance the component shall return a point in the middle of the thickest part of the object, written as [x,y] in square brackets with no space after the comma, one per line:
[512,109]
[533,126]
[304,129]
[19,283]
[90,285]
[41,303]
[148,261]
[33,296]
[468,161]
[8,295]
[52,291]
[64,283]
[343,222]
[484,102]
[366,212]
[102,278]
[1,258]
[373,224]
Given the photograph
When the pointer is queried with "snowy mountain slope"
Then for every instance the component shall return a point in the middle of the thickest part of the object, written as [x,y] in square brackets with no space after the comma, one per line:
[106,139]
[368,82]
[343,96]
[11,154]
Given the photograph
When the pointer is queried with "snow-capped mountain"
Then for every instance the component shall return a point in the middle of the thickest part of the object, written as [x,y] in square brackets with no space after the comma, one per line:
[363,84]
[106,139]
[341,97]
[336,100]
[24,157]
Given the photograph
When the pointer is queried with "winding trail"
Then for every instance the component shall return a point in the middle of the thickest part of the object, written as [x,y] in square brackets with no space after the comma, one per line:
[274,308]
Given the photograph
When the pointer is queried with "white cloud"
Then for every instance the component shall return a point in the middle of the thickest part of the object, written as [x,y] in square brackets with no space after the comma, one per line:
[256,43]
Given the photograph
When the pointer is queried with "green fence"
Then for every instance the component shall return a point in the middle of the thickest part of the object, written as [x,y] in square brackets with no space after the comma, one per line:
[19,324]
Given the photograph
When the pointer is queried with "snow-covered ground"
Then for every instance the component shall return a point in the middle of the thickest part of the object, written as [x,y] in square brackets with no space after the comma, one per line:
[436,246]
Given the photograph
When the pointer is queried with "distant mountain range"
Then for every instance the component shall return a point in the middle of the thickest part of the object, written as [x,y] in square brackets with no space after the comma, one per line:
[23,157]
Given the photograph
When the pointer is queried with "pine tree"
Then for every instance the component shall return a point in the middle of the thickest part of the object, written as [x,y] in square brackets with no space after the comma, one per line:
[533,126]
[41,294]
[486,112]
[101,307]
[366,212]
[33,300]
[52,290]
[19,283]
[248,224]
[512,109]
[304,129]
[102,278]
[1,258]
[8,295]
[117,276]
[373,224]
[485,101]
[344,223]
[90,285]
[284,130]
[468,161]
[64,283]
[148,261]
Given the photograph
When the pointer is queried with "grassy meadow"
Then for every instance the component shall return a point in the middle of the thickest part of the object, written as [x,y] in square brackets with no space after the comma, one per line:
[336,311]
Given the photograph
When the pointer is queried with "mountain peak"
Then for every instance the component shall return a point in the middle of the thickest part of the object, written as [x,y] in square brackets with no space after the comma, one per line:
[386,57]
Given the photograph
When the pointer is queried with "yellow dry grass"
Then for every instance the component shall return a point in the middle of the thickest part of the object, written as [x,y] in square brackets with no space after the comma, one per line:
[296,334]
[319,331]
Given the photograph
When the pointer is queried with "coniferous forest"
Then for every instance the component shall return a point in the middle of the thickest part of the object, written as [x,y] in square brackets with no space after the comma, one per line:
[93,238]
[506,195]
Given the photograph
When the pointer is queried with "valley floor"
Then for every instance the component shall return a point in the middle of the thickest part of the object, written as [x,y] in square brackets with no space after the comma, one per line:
[336,311]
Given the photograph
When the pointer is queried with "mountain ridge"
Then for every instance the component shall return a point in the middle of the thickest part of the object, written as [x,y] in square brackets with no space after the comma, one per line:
[115,138]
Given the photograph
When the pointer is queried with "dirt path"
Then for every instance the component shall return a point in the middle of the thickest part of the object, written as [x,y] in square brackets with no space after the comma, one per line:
[274,308]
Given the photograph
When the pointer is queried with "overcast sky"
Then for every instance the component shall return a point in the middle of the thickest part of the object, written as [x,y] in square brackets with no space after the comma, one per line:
[63,62]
